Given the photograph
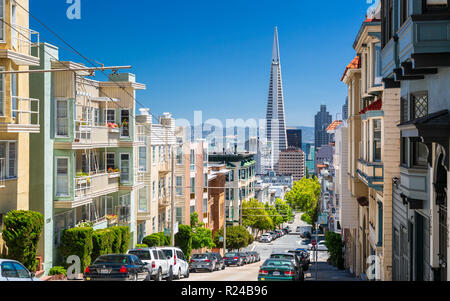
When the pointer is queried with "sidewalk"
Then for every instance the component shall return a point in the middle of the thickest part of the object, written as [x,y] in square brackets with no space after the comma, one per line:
[326,272]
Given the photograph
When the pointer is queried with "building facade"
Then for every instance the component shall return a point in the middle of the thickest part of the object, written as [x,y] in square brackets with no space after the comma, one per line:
[415,50]
[321,121]
[292,162]
[294,137]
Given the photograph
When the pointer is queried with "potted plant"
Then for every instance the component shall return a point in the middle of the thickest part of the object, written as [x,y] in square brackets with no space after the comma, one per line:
[57,273]
[111,218]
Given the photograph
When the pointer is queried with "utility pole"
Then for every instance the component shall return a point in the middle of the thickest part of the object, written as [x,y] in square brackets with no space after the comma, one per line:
[225,226]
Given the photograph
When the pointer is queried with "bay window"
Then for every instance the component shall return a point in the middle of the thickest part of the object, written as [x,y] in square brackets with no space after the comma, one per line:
[143,158]
[179,184]
[110,161]
[377,140]
[142,202]
[109,116]
[419,154]
[2,84]
[124,123]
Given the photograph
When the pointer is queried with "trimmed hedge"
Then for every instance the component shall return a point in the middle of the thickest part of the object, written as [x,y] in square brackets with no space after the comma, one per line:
[141,246]
[152,240]
[77,241]
[102,242]
[164,240]
[183,239]
[117,239]
[21,233]
[126,236]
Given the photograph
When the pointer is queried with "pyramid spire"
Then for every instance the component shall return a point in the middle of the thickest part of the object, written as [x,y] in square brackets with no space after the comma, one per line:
[276,47]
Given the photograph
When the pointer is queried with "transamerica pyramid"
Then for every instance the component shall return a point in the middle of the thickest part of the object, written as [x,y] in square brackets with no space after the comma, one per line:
[276,123]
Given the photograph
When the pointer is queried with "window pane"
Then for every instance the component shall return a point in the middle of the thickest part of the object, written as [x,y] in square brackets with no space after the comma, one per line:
[124,167]
[2,90]
[124,123]
[8,270]
[12,159]
[62,176]
[420,154]
[143,199]
[62,121]
[420,106]
[142,158]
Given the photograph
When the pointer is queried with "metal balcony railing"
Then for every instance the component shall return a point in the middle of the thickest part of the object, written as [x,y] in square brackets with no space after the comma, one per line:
[25,111]
[2,172]
[23,39]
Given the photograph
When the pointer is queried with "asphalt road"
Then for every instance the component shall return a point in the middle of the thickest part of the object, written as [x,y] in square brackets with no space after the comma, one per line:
[250,272]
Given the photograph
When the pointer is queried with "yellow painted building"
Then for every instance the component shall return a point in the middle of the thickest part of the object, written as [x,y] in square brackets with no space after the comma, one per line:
[19,115]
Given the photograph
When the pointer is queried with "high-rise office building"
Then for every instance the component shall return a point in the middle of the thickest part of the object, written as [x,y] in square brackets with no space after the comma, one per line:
[294,137]
[322,121]
[276,124]
[345,109]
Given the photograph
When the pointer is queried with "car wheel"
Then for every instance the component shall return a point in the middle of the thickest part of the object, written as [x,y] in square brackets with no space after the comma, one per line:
[223,267]
[170,278]
[178,276]
[213,268]
[187,274]
[135,277]
[149,277]
[158,276]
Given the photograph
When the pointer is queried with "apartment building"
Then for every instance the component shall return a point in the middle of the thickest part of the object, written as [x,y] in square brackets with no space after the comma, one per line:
[84,165]
[415,50]
[292,163]
[19,113]
[373,149]
[216,194]
[240,182]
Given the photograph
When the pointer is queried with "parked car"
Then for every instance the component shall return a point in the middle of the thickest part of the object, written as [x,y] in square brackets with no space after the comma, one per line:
[117,267]
[178,261]
[298,229]
[12,270]
[220,262]
[273,234]
[234,258]
[304,258]
[204,261]
[266,238]
[319,247]
[246,257]
[256,255]
[279,233]
[294,259]
[307,254]
[156,261]
[306,241]
[279,270]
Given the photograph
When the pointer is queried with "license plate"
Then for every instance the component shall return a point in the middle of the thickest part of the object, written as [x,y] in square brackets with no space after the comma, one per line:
[276,273]
[104,271]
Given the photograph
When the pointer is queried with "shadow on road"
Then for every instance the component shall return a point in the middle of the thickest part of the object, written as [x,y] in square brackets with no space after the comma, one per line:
[322,271]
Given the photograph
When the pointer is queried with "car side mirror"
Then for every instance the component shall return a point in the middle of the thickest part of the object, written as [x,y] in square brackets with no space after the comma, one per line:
[32,275]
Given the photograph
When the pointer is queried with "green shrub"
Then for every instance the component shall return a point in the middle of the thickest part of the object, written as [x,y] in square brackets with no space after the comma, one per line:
[141,246]
[164,240]
[152,240]
[57,270]
[126,236]
[117,239]
[251,239]
[183,239]
[21,233]
[77,241]
[102,241]
[334,244]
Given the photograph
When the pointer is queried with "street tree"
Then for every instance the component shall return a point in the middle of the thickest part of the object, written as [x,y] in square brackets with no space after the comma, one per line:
[255,216]
[305,195]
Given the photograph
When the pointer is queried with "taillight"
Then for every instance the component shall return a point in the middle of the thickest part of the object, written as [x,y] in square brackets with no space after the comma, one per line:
[207,260]
[191,261]
[289,273]
[263,272]
[175,259]
[235,258]
[86,270]
[123,269]
[153,265]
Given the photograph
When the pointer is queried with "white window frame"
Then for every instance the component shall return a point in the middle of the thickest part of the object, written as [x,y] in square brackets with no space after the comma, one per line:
[179,189]
[56,176]
[129,167]
[129,119]
[7,158]
[56,117]
[106,158]
[105,116]
[140,167]
[145,190]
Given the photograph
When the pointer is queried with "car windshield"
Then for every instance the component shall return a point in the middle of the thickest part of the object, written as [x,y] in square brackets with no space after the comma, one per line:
[282,256]
[168,253]
[231,254]
[277,263]
[142,254]
[112,259]
[199,256]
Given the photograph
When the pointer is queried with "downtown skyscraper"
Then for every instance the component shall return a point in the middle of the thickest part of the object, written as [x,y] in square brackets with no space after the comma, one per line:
[276,123]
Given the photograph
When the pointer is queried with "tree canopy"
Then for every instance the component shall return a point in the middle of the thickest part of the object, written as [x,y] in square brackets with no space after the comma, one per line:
[305,195]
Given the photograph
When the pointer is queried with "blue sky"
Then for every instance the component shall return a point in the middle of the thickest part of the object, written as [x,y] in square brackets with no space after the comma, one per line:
[215,55]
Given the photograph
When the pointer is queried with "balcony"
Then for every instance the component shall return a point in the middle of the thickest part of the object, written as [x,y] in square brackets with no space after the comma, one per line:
[23,40]
[423,45]
[2,173]
[24,116]
[87,187]
[164,199]
[371,173]
[164,168]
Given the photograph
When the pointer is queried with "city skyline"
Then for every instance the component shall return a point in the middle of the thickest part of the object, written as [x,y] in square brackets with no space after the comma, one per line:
[185,62]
